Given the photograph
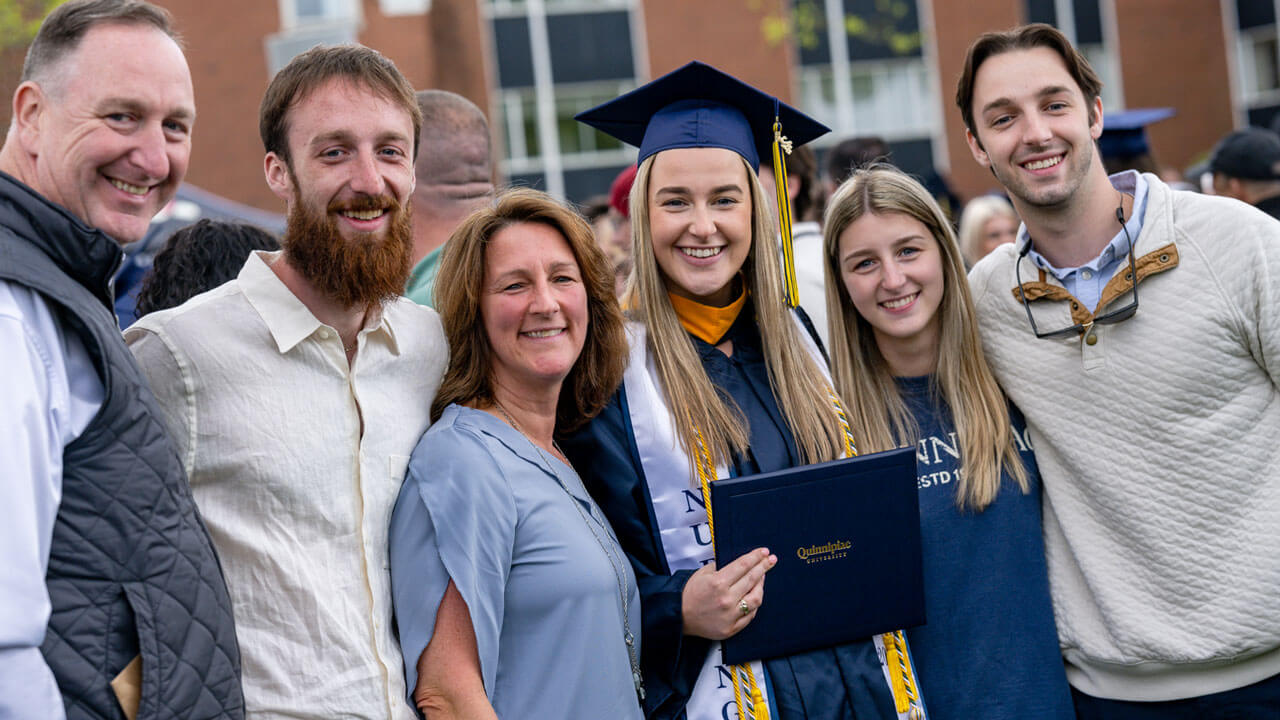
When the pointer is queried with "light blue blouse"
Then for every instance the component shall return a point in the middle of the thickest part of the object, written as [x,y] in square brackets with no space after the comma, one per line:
[481,505]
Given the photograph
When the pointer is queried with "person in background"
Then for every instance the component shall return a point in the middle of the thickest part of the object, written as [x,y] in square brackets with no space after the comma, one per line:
[905,343]
[111,594]
[620,237]
[1124,144]
[1246,166]
[805,194]
[595,210]
[198,258]
[504,571]
[719,364]
[454,174]
[986,223]
[1138,329]
[604,222]
[849,155]
[296,392]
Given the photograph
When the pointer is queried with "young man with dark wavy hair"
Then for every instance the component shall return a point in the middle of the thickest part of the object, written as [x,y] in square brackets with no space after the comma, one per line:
[1138,329]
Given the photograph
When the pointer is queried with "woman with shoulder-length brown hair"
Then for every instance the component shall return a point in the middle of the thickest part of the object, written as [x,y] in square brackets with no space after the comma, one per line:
[504,572]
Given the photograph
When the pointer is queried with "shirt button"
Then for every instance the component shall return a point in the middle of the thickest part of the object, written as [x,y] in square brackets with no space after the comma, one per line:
[1091,339]
[325,334]
[1086,274]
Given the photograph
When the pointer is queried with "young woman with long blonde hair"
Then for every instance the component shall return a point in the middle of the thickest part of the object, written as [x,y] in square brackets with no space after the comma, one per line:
[905,345]
[723,380]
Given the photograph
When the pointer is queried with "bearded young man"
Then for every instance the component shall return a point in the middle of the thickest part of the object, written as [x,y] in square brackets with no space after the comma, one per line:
[296,392]
[1154,409]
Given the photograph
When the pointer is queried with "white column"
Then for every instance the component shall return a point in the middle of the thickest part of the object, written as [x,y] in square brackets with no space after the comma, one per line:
[545,98]
[839,46]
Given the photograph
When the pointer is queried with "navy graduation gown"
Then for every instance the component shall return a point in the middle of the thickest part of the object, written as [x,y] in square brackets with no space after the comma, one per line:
[834,684]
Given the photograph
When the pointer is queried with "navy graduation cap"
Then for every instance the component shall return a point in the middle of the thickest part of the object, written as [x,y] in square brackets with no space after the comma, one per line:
[700,106]
[1124,134]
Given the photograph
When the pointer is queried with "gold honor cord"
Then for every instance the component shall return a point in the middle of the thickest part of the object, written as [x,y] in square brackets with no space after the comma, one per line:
[751,705]
[782,148]
[906,697]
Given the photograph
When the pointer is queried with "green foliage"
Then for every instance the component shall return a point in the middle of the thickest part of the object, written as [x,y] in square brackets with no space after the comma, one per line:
[807,23]
[882,29]
[20,19]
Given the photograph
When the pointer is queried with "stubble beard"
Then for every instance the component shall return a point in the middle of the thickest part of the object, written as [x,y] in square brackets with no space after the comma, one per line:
[363,271]
[1078,160]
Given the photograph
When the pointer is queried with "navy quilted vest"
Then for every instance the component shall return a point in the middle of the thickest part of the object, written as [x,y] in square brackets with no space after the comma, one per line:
[131,568]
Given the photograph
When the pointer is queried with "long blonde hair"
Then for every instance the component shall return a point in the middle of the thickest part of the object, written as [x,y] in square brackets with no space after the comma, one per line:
[796,380]
[963,379]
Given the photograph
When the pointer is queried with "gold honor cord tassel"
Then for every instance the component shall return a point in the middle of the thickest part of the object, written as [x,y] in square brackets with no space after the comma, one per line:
[782,148]
[751,704]
[906,699]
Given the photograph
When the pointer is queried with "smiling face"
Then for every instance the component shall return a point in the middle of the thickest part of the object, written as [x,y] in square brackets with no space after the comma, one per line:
[351,157]
[700,221]
[891,266]
[534,308]
[1032,127]
[110,128]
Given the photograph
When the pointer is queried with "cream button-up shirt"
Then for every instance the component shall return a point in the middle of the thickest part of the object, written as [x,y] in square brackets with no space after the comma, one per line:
[295,460]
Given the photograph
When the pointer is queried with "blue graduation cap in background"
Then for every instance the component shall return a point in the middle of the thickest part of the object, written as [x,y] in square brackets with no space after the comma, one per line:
[1124,133]
[700,106]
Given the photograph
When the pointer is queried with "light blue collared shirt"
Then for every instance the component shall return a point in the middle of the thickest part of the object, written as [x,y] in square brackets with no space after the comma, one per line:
[1087,281]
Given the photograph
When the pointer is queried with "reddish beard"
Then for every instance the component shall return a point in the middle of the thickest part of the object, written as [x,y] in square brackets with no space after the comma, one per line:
[360,272]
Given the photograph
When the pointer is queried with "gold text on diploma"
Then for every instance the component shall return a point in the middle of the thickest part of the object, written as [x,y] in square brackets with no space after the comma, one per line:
[820,553]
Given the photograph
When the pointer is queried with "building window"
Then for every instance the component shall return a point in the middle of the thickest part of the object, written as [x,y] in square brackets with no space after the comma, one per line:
[519,7]
[305,24]
[1258,58]
[391,8]
[303,13]
[556,58]
[890,98]
[1107,69]
[579,144]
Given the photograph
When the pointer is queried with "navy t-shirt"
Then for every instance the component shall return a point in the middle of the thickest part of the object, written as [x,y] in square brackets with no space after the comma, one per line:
[990,648]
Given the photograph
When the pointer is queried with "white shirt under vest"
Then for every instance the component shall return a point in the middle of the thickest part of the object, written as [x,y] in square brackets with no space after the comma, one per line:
[295,460]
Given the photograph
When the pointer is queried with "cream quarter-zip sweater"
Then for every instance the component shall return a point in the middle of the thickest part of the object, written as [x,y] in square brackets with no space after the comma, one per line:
[1158,439]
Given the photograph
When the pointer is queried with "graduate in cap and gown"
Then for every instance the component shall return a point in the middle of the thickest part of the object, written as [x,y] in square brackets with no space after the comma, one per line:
[725,379]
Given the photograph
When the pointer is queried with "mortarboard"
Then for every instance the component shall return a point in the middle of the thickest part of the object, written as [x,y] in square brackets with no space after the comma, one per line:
[1124,133]
[700,106]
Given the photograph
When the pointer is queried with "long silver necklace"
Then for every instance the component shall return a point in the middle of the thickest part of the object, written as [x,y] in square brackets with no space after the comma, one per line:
[616,561]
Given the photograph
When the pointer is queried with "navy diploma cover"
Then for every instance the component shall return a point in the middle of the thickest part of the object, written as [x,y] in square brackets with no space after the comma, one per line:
[847,537]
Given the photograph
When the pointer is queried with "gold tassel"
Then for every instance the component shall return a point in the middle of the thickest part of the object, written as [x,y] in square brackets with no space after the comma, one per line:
[782,148]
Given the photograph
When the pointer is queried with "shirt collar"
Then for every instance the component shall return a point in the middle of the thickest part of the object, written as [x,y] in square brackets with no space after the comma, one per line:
[286,317]
[1129,182]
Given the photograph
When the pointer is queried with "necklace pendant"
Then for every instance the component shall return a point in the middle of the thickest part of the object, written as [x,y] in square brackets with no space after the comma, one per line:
[635,677]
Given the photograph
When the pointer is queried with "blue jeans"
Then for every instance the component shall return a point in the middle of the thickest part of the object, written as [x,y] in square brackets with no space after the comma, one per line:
[1259,701]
